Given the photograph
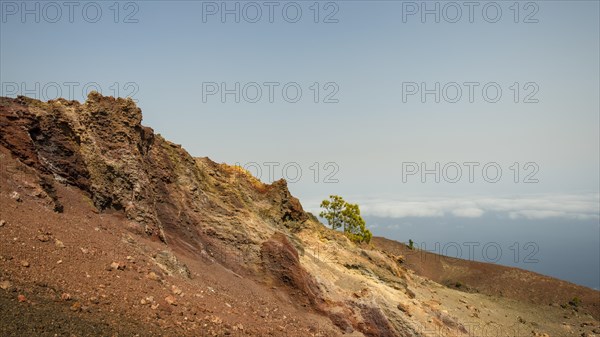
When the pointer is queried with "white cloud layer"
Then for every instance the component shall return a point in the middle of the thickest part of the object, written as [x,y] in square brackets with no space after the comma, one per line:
[582,206]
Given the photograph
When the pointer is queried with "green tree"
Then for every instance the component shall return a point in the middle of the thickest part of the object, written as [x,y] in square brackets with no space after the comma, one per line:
[340,213]
[333,210]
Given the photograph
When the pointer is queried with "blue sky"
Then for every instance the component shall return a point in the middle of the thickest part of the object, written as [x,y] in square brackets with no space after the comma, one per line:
[366,58]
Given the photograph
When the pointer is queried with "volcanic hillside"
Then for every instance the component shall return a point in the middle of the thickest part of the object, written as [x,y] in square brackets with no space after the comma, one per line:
[108,229]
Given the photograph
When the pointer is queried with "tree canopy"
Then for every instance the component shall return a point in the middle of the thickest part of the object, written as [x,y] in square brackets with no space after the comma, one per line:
[341,214]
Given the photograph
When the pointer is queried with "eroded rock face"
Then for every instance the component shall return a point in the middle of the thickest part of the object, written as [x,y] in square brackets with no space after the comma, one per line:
[101,147]
[210,211]
[281,260]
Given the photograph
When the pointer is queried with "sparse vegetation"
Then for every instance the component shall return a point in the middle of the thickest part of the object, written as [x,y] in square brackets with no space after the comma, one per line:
[575,302]
[341,214]
[333,211]
[411,244]
[455,284]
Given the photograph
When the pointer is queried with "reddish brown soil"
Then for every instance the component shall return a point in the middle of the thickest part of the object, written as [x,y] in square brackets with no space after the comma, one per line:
[492,279]
[107,302]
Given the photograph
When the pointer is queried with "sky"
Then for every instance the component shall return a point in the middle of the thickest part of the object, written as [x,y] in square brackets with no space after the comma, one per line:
[478,118]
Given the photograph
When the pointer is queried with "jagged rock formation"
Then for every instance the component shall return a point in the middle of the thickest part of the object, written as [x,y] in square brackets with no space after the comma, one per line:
[102,148]
[218,219]
[191,204]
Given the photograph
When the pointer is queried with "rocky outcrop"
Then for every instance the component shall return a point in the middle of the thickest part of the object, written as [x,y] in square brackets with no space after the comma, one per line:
[281,260]
[212,212]
[101,147]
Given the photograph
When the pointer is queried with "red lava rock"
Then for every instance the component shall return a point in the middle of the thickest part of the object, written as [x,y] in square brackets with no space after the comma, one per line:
[21,298]
[76,307]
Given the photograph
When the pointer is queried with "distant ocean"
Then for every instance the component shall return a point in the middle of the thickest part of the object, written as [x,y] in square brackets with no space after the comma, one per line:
[566,249]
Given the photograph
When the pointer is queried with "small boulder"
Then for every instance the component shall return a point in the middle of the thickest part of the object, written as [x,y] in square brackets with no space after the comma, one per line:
[153,276]
[116,266]
[76,307]
[43,238]
[176,290]
[404,308]
[4,285]
[171,300]
[16,196]
[169,262]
